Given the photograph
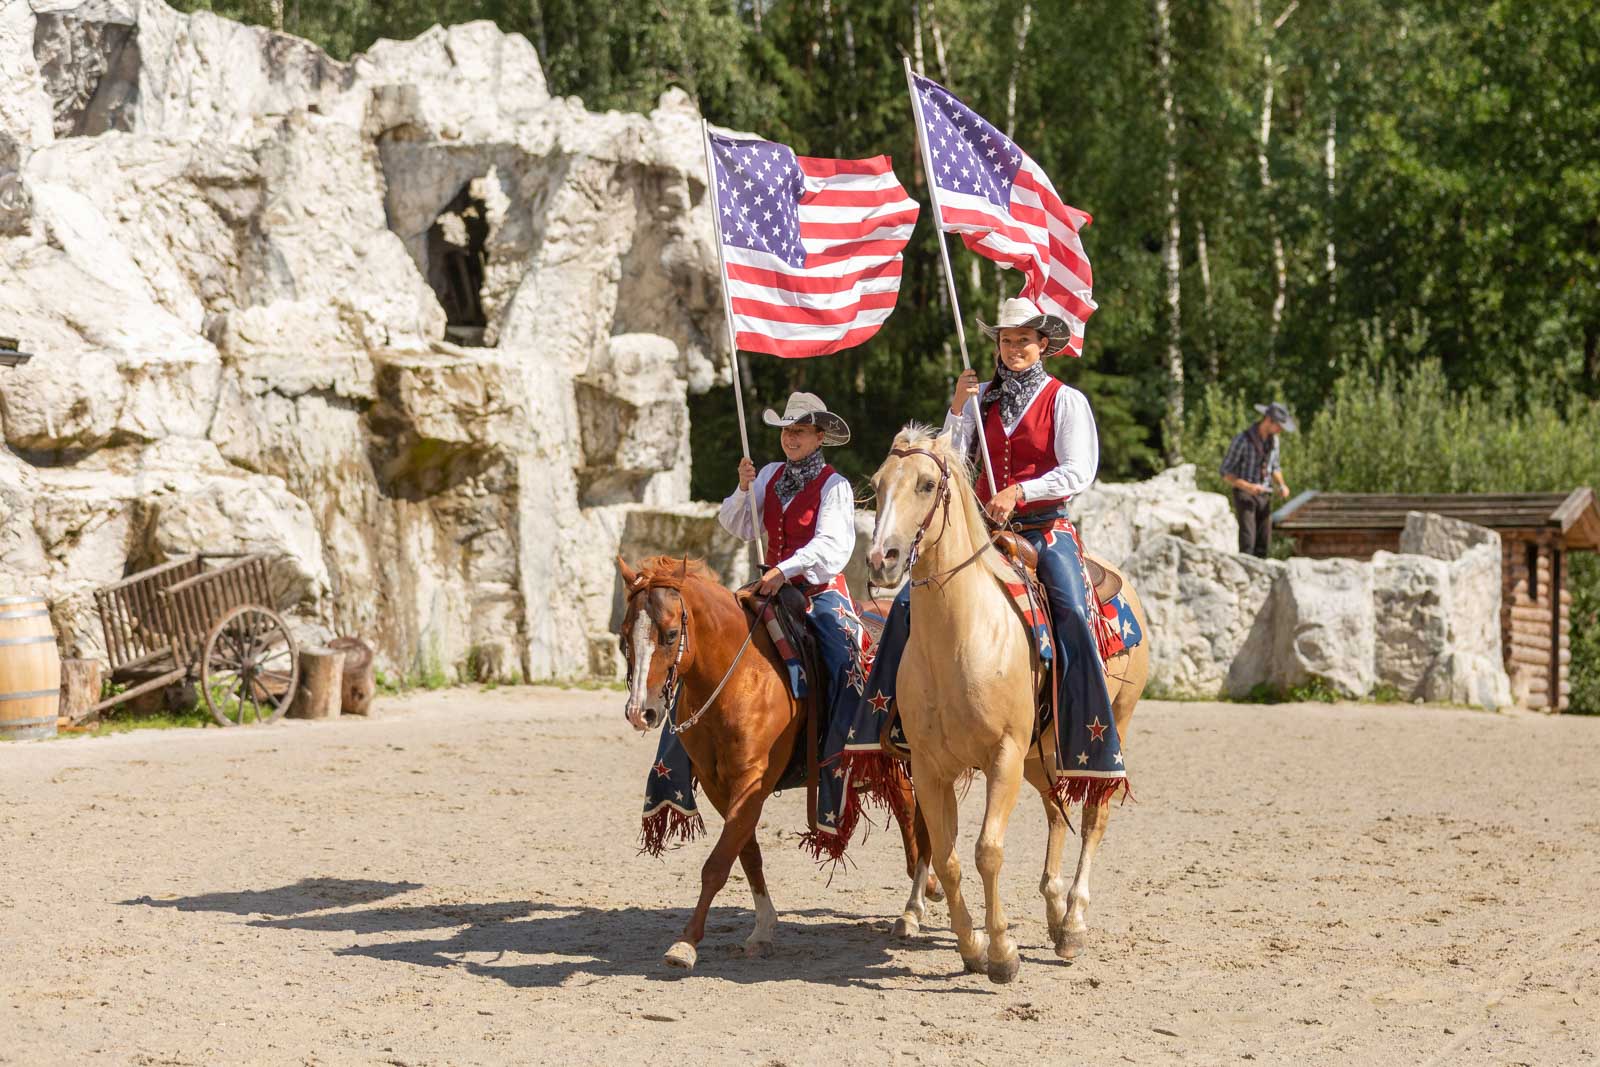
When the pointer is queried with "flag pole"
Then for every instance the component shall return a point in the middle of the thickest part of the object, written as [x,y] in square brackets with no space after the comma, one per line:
[757,549]
[944,257]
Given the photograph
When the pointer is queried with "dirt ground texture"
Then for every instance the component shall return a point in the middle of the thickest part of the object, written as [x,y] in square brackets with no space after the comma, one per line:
[455,882]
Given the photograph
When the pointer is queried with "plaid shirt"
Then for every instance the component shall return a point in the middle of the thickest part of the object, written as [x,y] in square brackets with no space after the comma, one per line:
[1250,460]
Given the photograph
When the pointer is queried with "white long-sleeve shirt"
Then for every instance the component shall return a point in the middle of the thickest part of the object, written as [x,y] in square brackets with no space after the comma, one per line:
[822,558]
[1077,443]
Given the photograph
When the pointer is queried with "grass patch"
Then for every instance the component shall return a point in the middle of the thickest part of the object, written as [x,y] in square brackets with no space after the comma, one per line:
[154,720]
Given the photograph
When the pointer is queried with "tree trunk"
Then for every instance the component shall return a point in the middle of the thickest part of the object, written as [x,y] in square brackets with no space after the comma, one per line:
[1213,368]
[319,692]
[850,65]
[938,45]
[80,688]
[1330,170]
[1024,24]
[1280,270]
[277,14]
[1173,421]
[359,681]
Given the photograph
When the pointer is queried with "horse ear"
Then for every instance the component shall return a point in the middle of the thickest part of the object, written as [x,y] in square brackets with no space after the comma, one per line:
[629,575]
[686,565]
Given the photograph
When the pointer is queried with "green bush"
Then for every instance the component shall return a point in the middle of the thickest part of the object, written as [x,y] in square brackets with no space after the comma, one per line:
[1384,430]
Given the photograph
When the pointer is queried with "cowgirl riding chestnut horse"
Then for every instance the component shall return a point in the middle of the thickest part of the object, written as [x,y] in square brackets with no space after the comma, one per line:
[965,677]
[737,716]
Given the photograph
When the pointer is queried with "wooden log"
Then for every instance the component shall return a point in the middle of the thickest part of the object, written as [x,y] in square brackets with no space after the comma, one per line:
[321,672]
[1530,657]
[1531,614]
[80,689]
[360,675]
[1530,638]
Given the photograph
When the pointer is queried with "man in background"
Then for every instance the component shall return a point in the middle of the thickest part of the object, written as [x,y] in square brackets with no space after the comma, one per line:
[1251,467]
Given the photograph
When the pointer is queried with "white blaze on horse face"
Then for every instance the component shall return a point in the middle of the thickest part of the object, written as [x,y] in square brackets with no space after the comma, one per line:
[644,649]
[883,523]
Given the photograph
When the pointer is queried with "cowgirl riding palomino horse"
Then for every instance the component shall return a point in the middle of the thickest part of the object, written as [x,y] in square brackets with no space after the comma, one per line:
[965,678]
[957,662]
[741,719]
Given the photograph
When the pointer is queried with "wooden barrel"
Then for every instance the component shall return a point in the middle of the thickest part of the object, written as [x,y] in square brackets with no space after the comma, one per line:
[30,669]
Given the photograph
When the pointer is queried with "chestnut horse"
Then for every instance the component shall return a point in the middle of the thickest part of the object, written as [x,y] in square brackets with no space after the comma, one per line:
[681,619]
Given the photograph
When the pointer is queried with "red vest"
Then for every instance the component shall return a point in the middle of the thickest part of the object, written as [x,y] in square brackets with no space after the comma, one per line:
[789,530]
[1030,450]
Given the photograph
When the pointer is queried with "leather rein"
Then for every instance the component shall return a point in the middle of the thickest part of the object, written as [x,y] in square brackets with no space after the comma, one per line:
[941,496]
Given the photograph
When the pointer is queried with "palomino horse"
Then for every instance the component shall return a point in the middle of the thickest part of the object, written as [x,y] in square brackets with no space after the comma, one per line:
[736,718]
[966,694]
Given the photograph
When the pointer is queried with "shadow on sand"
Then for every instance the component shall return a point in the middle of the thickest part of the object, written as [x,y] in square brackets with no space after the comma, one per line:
[306,895]
[540,944]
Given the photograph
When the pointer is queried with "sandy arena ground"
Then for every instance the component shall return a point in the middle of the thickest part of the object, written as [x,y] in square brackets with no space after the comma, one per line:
[455,882]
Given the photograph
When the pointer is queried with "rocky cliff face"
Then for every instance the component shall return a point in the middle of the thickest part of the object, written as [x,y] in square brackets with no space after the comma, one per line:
[407,320]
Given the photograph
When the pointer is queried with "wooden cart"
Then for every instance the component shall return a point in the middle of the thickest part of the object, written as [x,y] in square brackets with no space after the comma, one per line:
[189,620]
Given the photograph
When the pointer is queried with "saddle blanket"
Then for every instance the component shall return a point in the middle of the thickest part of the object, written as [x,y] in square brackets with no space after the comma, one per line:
[861,753]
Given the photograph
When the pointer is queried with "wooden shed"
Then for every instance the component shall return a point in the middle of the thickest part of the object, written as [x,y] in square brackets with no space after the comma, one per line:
[1536,531]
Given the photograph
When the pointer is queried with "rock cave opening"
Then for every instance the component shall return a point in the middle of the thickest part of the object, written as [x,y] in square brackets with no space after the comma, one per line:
[91,71]
[456,254]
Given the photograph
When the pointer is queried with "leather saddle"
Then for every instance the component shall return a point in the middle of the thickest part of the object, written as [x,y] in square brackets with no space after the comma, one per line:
[1016,548]
[791,605]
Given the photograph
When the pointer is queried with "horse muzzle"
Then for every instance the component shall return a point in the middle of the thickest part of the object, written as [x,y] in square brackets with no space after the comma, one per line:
[643,717]
[885,564]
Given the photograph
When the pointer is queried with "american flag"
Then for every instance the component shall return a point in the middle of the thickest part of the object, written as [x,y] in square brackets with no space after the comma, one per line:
[811,246]
[989,191]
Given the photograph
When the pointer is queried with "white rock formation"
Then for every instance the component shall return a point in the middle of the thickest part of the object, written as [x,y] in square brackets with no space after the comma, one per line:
[1323,624]
[1424,628]
[1116,518]
[1442,537]
[406,319]
[1209,628]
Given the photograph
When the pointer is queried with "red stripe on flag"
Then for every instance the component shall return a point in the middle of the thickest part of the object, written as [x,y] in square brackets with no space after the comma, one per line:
[810,316]
[851,250]
[846,230]
[818,167]
[758,342]
[852,197]
[805,283]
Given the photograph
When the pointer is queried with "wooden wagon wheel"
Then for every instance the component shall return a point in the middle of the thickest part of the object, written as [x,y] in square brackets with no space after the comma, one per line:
[249,667]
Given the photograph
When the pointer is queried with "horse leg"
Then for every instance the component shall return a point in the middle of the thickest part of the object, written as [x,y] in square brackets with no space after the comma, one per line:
[759,943]
[1095,817]
[914,836]
[1051,886]
[739,824]
[1004,779]
[938,803]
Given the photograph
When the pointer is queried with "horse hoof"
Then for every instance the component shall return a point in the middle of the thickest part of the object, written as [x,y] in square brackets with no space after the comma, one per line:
[1070,943]
[757,950]
[906,928]
[682,955]
[977,965]
[935,891]
[1004,971]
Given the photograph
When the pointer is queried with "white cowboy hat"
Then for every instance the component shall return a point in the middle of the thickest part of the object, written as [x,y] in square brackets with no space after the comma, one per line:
[807,409]
[1021,313]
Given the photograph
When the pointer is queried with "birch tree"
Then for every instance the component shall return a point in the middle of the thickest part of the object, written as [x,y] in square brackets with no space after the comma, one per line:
[1172,421]
[1280,268]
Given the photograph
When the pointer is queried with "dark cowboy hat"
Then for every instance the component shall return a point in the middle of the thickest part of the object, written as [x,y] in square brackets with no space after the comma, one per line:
[1021,313]
[1278,414]
[807,409]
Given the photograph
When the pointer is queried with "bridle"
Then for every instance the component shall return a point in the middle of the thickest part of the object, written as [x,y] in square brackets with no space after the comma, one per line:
[672,685]
[942,495]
